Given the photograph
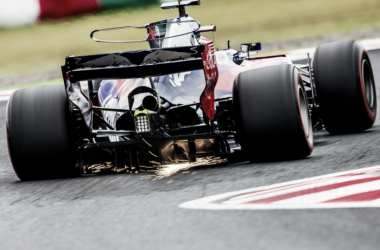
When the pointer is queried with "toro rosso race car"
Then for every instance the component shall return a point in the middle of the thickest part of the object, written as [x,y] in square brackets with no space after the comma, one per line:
[182,101]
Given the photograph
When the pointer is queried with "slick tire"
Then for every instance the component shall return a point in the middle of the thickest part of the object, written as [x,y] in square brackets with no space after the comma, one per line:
[40,143]
[272,114]
[345,87]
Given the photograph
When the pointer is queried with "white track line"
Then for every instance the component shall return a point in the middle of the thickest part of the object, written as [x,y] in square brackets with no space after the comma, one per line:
[223,201]
[332,194]
[285,190]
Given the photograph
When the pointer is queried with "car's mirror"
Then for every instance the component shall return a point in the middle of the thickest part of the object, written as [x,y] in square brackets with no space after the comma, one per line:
[246,47]
[247,51]
[209,28]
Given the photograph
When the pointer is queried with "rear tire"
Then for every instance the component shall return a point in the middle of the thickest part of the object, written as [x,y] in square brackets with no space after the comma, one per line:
[40,142]
[272,114]
[345,87]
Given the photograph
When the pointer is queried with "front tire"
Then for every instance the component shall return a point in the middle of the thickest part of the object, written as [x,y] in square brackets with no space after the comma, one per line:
[345,87]
[40,142]
[272,114]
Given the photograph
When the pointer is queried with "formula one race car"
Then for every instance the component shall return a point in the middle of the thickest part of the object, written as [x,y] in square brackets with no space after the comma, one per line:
[182,101]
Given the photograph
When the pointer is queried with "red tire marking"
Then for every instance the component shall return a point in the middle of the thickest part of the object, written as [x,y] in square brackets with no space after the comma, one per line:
[371,114]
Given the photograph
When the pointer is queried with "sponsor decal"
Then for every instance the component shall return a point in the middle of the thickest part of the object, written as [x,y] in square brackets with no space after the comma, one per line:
[355,188]
[211,75]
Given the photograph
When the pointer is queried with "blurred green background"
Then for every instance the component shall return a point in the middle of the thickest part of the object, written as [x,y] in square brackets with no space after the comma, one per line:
[44,46]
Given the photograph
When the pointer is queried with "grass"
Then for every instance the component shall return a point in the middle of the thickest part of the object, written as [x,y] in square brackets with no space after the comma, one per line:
[42,47]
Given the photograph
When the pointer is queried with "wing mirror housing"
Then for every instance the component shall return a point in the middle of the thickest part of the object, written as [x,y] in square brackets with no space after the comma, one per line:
[247,50]
[209,28]
[181,6]
[178,4]
[246,47]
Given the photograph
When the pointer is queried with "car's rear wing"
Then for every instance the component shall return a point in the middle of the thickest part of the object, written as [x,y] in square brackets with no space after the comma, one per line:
[136,64]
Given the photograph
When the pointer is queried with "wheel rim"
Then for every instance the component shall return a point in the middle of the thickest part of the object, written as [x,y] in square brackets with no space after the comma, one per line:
[368,84]
[304,110]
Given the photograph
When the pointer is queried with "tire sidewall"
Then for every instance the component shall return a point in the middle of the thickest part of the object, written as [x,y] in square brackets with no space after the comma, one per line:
[361,55]
[309,138]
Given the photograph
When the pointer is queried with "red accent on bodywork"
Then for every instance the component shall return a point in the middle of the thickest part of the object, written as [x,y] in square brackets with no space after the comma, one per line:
[265,57]
[211,74]
[121,82]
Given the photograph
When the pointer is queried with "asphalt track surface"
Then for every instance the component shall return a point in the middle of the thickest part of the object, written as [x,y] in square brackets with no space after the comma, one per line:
[127,211]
